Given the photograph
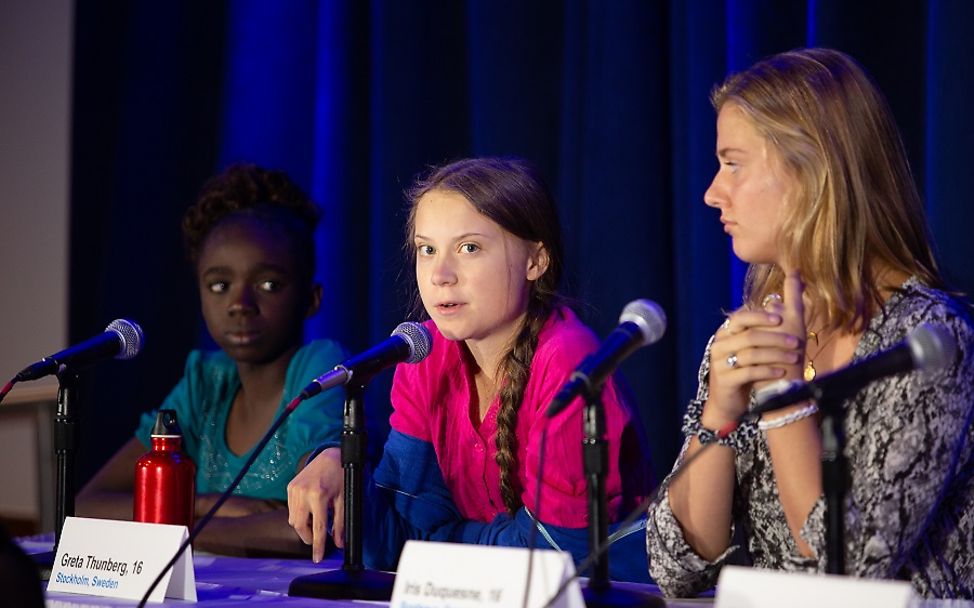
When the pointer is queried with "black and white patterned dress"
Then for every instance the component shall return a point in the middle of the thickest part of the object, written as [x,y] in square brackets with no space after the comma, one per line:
[910,450]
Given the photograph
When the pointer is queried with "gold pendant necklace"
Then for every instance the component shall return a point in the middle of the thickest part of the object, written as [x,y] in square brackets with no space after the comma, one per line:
[810,372]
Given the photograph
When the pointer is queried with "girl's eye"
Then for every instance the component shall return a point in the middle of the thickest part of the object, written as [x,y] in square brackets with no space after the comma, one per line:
[425,250]
[469,248]
[217,286]
[269,285]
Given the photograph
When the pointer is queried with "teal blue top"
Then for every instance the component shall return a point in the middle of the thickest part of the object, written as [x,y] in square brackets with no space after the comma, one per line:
[202,401]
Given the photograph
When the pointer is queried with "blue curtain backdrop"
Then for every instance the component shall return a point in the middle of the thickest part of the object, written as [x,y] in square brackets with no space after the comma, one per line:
[354,98]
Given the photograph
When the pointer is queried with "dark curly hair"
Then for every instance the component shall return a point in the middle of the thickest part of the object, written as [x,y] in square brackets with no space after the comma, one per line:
[246,190]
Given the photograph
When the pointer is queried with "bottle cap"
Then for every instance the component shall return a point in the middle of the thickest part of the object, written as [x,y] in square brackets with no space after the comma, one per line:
[166,424]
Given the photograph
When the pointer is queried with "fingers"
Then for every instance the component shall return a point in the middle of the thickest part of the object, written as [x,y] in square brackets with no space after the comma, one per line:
[752,328]
[758,338]
[308,515]
[310,495]
[756,345]
[338,532]
[744,319]
[319,526]
[298,516]
[794,288]
[751,348]
[776,349]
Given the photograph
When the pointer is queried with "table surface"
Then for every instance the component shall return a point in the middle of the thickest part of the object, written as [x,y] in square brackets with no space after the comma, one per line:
[236,581]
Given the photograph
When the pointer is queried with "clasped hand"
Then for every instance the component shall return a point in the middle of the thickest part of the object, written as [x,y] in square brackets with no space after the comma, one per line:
[316,489]
[753,347]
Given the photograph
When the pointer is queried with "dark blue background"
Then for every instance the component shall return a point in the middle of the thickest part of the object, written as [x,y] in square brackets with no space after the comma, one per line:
[353,98]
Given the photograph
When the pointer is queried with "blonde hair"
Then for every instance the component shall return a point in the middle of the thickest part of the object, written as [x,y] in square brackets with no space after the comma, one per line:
[856,212]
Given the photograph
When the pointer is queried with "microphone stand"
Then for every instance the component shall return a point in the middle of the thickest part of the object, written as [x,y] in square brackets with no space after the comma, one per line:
[353,581]
[835,478]
[65,446]
[599,592]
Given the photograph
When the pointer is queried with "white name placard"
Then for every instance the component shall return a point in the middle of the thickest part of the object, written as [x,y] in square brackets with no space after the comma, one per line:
[437,575]
[120,559]
[740,587]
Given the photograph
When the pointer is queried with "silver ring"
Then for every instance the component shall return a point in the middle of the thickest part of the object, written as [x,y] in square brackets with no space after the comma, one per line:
[771,297]
[732,360]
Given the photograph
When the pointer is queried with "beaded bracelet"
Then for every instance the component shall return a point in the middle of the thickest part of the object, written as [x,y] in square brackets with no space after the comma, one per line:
[739,439]
[780,421]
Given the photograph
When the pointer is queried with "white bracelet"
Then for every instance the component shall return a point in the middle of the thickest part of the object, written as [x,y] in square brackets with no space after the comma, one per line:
[787,419]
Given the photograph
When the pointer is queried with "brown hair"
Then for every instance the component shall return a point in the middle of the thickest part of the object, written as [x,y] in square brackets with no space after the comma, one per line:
[510,192]
[856,212]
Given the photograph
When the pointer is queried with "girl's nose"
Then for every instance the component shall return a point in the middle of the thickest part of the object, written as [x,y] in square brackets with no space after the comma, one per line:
[714,196]
[443,271]
[243,302]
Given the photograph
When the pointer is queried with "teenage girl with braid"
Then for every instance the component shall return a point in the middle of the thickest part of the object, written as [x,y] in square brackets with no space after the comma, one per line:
[462,459]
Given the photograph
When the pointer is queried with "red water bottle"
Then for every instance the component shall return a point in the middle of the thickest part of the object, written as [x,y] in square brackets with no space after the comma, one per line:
[165,477]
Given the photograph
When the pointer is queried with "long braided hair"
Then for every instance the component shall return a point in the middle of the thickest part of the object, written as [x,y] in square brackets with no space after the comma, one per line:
[510,192]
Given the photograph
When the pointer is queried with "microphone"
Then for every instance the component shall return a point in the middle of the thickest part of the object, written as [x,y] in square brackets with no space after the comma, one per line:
[928,347]
[642,322]
[409,342]
[122,339]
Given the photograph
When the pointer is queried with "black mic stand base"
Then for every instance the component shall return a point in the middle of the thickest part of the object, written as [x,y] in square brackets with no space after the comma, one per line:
[611,596]
[354,581]
[373,585]
[44,562]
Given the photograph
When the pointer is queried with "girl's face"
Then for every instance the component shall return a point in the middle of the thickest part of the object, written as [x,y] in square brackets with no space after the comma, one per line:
[474,277]
[750,188]
[252,291]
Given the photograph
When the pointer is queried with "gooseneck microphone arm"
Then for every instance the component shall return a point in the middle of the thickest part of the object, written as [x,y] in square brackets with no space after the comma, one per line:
[223,497]
[931,347]
[418,344]
[354,580]
[595,452]
[926,348]
[122,339]
[642,322]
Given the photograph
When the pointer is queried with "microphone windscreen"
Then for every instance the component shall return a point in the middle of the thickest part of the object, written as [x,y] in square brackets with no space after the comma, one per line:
[419,340]
[648,316]
[130,336]
[932,347]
